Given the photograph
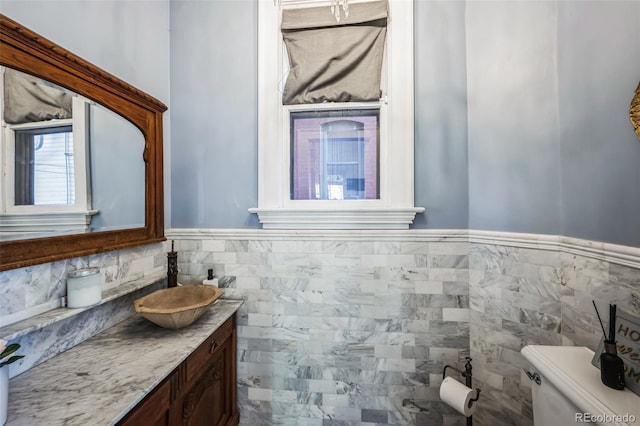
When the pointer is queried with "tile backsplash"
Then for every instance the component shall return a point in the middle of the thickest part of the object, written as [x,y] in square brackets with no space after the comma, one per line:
[27,288]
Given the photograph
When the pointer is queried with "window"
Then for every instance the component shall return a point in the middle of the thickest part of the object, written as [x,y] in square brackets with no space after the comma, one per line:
[44,172]
[340,164]
[45,186]
[334,155]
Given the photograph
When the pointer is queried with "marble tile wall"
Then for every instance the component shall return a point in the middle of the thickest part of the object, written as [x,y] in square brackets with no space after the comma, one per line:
[350,332]
[341,332]
[24,288]
[521,296]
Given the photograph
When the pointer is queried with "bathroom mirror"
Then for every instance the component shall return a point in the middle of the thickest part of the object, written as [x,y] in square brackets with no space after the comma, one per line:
[134,121]
[58,151]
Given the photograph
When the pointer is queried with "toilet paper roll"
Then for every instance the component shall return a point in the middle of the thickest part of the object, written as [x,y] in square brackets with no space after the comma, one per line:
[458,396]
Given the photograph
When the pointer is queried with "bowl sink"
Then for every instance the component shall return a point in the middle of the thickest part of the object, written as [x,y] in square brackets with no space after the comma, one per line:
[177,307]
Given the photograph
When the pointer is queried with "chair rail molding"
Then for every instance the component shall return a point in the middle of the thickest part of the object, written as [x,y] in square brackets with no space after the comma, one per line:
[613,253]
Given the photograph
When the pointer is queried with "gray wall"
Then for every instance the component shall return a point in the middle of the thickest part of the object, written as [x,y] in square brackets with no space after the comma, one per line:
[521,116]
[514,150]
[117,171]
[129,39]
[550,144]
[214,116]
[521,107]
[214,161]
[598,72]
[441,157]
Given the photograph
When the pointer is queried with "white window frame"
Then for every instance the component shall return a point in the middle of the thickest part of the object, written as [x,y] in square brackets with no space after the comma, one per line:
[395,209]
[16,220]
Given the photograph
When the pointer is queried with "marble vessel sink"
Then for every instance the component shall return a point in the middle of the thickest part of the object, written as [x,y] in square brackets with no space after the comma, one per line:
[177,307]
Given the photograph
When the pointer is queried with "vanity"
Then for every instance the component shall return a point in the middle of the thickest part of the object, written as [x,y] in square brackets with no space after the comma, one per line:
[137,373]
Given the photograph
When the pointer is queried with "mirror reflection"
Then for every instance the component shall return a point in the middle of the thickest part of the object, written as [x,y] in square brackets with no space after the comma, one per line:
[68,164]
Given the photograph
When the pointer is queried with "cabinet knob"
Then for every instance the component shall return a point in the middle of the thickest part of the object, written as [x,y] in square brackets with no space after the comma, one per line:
[214,346]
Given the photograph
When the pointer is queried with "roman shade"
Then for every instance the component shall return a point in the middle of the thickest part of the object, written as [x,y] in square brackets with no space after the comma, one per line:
[29,99]
[334,61]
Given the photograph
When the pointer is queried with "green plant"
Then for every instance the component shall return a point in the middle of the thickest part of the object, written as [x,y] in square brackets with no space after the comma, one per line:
[6,351]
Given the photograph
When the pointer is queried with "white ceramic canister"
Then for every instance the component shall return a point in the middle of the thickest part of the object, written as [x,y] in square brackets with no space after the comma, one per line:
[84,287]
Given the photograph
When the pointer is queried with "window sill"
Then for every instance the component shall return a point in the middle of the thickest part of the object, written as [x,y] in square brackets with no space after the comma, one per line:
[43,222]
[355,218]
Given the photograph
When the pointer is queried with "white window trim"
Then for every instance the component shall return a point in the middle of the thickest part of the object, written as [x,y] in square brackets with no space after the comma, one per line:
[395,209]
[17,220]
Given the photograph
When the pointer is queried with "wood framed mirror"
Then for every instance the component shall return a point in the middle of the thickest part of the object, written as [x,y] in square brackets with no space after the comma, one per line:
[25,51]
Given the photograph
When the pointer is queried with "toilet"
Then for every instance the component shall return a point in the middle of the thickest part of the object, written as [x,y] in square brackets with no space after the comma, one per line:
[566,389]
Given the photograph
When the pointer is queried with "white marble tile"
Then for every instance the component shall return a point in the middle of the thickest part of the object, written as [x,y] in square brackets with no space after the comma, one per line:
[414,247]
[429,287]
[258,394]
[335,400]
[373,260]
[407,260]
[386,247]
[213,245]
[260,320]
[455,314]
[388,351]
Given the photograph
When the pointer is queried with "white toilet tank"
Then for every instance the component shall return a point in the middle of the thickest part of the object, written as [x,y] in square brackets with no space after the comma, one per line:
[571,392]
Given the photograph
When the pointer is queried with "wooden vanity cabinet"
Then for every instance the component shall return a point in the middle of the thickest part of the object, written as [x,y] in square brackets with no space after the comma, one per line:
[201,391]
[153,410]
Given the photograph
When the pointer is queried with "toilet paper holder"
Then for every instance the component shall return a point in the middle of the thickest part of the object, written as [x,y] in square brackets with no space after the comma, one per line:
[468,376]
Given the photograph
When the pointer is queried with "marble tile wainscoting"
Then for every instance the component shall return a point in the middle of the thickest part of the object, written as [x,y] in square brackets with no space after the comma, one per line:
[339,328]
[354,328]
[538,290]
[27,290]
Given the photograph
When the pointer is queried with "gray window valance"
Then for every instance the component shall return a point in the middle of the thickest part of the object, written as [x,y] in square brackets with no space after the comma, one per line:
[28,99]
[334,61]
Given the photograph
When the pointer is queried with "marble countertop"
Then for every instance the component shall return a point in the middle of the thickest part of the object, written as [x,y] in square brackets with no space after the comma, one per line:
[99,381]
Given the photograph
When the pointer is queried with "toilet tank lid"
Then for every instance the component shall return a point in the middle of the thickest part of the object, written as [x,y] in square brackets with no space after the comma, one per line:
[570,370]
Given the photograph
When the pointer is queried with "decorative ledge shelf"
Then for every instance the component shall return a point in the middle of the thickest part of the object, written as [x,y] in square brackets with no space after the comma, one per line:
[18,329]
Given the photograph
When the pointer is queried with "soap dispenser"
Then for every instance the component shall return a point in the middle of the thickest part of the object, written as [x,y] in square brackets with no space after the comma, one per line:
[172,267]
[210,279]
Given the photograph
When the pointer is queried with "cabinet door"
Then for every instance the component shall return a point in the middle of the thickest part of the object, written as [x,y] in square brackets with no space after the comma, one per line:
[209,399]
[153,410]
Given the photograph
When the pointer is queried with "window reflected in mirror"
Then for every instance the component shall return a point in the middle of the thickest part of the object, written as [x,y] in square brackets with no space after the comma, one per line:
[44,166]
[68,164]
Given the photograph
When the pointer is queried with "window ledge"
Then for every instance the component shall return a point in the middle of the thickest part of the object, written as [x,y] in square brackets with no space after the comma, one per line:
[356,218]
